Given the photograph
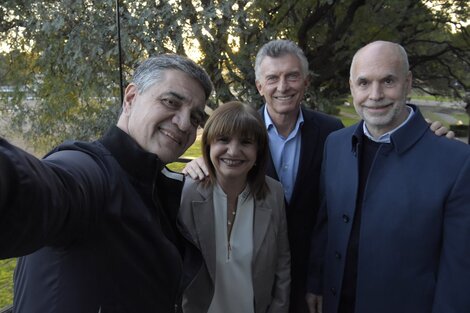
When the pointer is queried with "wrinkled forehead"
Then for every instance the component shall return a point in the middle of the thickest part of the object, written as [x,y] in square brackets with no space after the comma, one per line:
[383,59]
[182,86]
[280,64]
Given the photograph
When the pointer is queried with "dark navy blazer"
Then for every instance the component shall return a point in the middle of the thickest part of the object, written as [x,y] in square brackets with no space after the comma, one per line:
[414,251]
[302,209]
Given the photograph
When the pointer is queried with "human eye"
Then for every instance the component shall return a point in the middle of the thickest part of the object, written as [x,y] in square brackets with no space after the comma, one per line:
[222,139]
[293,76]
[362,82]
[271,79]
[170,103]
[389,81]
[247,141]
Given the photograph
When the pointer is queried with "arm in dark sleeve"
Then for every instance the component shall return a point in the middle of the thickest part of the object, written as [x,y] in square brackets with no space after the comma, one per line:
[453,277]
[47,202]
[7,178]
[318,240]
[317,253]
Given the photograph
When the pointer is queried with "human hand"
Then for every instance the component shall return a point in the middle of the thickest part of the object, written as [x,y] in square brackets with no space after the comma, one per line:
[440,130]
[196,169]
[314,302]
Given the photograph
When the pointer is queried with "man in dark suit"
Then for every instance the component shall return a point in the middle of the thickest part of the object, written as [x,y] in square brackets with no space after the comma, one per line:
[296,138]
[395,218]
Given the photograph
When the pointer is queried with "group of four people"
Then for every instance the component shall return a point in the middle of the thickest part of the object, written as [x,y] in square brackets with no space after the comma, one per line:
[104,230]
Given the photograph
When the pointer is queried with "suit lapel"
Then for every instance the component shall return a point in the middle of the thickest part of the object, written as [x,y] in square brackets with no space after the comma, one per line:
[203,213]
[270,169]
[308,147]
[262,218]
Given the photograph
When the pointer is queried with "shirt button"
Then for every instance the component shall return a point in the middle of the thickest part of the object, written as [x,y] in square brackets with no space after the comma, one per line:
[345,218]
[333,291]
[337,255]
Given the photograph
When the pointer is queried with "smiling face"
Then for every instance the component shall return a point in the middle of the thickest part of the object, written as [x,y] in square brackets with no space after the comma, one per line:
[164,118]
[282,84]
[235,148]
[380,82]
[233,157]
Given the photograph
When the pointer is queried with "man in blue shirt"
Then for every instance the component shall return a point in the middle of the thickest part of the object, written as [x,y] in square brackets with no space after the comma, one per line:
[296,138]
[395,219]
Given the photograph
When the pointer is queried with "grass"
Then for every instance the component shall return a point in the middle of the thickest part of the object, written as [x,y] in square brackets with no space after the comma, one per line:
[6,282]
[193,152]
[7,266]
[422,96]
[348,116]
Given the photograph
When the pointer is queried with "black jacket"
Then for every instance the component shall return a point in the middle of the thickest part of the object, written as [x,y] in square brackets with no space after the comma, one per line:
[302,210]
[103,216]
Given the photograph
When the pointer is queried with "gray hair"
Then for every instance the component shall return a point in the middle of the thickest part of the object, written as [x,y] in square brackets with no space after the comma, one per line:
[152,71]
[279,48]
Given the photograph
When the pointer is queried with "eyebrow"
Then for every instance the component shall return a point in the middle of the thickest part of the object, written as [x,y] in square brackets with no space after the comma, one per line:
[180,97]
[391,75]
[270,75]
[174,94]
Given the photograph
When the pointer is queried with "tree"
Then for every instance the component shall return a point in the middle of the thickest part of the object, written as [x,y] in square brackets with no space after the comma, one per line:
[69,49]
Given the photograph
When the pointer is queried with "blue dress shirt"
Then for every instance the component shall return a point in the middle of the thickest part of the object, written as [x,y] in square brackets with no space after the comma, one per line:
[285,152]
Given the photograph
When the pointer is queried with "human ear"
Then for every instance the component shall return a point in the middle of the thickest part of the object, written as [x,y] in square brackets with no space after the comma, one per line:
[259,86]
[129,96]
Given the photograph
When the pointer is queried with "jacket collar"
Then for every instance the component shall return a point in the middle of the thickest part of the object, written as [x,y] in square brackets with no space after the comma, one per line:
[203,211]
[401,140]
[132,158]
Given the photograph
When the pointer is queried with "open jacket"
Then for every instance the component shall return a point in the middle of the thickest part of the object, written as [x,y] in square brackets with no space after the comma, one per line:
[414,252]
[98,222]
[271,256]
[302,209]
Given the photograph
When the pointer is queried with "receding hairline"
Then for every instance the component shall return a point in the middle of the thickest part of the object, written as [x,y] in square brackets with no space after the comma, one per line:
[400,52]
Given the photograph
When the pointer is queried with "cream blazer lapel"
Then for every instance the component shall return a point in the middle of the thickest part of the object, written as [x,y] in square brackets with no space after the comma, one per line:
[262,217]
[203,215]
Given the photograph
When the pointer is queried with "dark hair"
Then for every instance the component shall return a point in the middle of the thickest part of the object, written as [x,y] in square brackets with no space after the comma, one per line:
[238,119]
[152,71]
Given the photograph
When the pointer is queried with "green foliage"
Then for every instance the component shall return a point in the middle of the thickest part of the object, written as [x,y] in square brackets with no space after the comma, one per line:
[193,152]
[65,54]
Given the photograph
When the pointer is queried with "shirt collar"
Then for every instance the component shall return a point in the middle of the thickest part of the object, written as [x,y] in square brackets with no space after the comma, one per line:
[385,138]
[270,124]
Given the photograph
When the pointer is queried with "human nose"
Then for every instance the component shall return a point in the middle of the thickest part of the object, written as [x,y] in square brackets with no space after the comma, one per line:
[182,119]
[376,92]
[282,84]
[233,147]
